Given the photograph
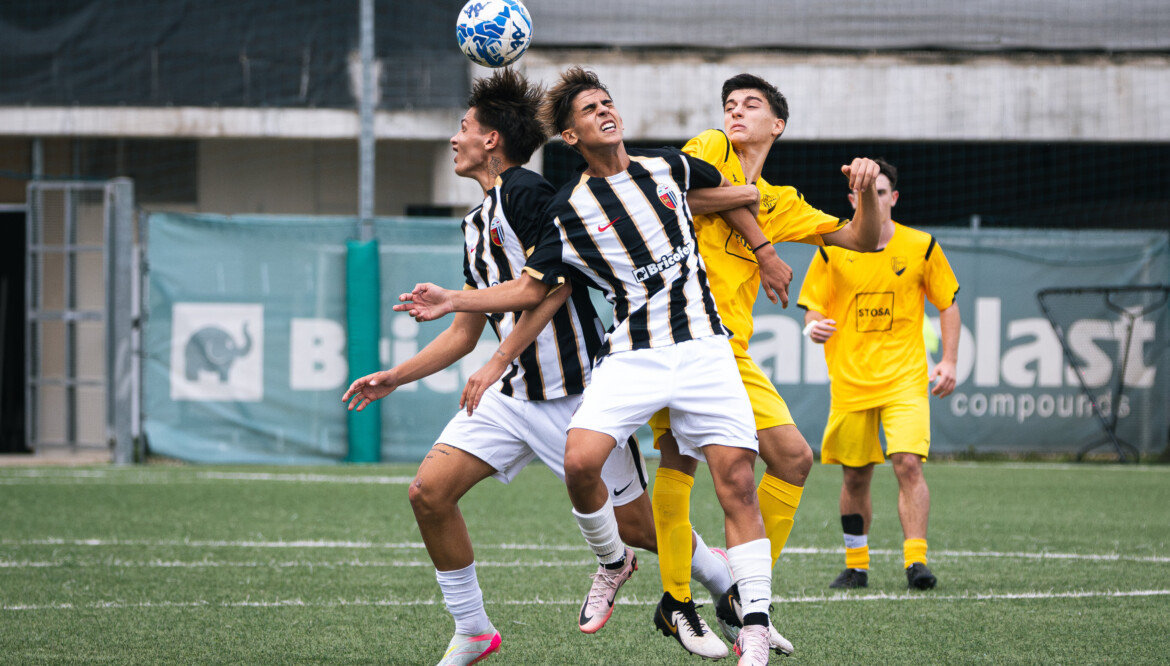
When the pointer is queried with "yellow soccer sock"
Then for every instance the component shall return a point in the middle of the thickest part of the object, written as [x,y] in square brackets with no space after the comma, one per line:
[778,502]
[914,550]
[856,541]
[672,523]
[857,558]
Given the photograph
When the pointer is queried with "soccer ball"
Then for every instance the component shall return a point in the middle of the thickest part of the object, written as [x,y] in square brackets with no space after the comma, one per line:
[494,33]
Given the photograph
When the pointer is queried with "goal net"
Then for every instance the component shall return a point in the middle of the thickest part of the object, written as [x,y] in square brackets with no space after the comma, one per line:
[1114,341]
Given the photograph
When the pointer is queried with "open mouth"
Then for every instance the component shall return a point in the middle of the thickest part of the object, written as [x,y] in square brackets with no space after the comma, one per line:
[608,126]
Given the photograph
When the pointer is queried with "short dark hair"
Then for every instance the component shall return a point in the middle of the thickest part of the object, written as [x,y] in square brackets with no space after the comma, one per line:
[558,102]
[889,171]
[508,103]
[752,82]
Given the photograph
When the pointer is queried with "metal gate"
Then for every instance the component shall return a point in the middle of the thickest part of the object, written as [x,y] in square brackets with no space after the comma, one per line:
[80,343]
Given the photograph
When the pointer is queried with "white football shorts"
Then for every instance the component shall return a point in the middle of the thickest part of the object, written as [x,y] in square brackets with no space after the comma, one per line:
[508,433]
[697,379]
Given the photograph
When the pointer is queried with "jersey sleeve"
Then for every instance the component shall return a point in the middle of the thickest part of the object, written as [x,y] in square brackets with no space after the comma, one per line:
[468,280]
[544,260]
[703,174]
[712,146]
[787,217]
[816,292]
[526,206]
[941,283]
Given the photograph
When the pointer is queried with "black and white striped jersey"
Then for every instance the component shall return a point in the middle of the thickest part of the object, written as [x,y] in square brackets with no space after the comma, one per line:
[498,236]
[631,236]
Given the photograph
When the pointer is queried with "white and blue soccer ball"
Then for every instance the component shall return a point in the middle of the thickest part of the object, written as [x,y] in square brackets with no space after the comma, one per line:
[494,33]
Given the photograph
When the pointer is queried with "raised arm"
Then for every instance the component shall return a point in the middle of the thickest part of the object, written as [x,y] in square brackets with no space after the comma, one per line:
[428,301]
[775,275]
[718,199]
[864,231]
[451,345]
[526,330]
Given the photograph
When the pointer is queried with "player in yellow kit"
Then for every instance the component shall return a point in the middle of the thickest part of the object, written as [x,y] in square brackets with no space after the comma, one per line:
[868,309]
[755,114]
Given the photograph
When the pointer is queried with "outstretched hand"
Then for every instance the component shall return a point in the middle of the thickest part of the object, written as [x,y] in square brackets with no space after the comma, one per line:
[862,173]
[365,390]
[426,302]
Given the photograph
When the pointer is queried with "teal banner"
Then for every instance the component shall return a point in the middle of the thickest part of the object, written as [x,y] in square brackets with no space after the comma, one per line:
[246,352]
[1015,389]
[245,337]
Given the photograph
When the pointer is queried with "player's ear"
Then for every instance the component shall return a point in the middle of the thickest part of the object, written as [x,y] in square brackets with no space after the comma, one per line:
[569,136]
[778,128]
[492,140]
[853,200]
[893,198]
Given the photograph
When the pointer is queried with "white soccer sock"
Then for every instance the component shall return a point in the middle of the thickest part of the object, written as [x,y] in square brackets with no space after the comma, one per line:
[856,540]
[751,564]
[464,600]
[709,569]
[600,530]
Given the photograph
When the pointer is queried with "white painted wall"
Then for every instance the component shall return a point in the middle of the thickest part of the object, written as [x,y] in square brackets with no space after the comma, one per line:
[913,97]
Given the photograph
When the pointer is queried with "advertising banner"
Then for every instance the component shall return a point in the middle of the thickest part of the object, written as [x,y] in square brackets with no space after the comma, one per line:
[245,340]
[1015,389]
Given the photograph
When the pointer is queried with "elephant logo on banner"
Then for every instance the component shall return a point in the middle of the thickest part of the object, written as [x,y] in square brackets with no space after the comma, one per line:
[217,352]
[213,349]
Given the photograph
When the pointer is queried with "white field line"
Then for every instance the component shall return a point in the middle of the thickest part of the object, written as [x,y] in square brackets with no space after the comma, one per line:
[628,601]
[367,545]
[192,543]
[140,477]
[211,564]
[1063,467]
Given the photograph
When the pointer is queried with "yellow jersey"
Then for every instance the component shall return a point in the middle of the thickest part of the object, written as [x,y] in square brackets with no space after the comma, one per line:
[732,270]
[878,354]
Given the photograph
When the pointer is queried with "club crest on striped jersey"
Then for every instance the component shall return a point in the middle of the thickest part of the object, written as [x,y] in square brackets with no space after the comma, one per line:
[668,196]
[496,231]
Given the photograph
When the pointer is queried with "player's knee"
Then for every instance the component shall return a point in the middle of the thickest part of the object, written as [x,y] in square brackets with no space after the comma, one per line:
[425,499]
[579,467]
[738,488]
[679,463]
[802,462]
[786,453]
[907,466]
[856,480]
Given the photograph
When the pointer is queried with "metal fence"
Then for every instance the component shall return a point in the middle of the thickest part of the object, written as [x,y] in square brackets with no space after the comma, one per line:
[81,295]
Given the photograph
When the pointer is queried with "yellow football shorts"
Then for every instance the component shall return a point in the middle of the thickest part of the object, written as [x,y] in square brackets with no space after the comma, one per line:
[767,405]
[851,438]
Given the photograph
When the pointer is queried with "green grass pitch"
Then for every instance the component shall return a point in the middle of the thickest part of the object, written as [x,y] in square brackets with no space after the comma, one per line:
[1037,563]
